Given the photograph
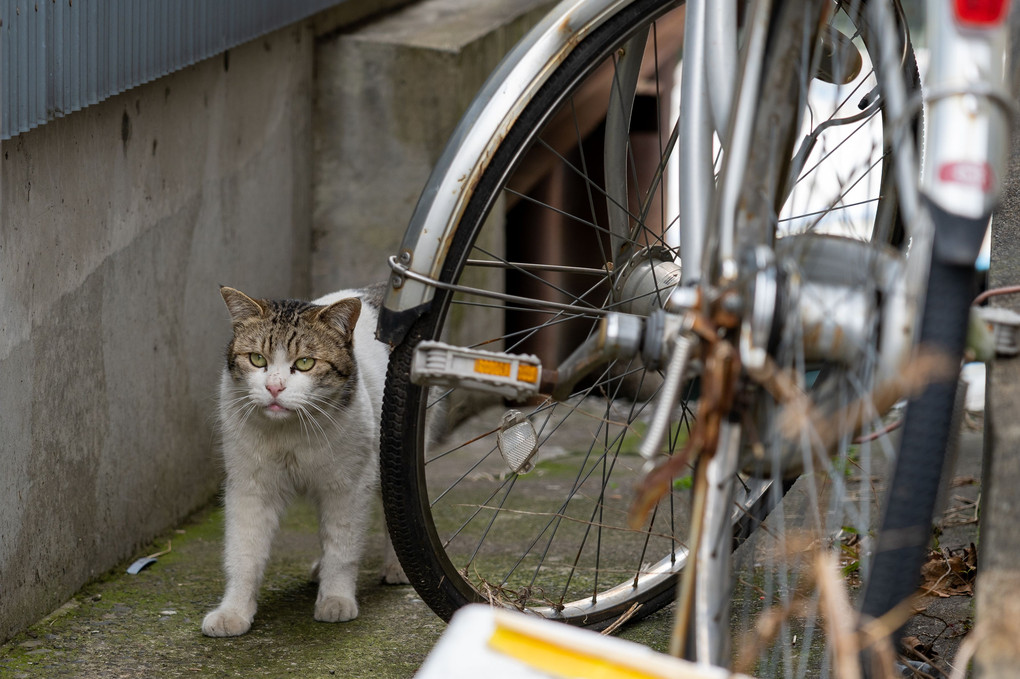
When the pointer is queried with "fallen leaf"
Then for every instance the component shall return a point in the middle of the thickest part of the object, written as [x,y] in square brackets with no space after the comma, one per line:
[915,649]
[964,481]
[949,572]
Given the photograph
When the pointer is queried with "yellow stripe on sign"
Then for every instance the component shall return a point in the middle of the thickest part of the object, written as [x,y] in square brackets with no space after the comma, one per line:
[559,661]
[527,373]
[485,366]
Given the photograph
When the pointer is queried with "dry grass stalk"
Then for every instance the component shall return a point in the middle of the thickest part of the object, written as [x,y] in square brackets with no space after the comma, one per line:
[685,588]
[992,644]
[767,628]
[799,414]
[873,632]
[796,547]
[619,622]
[839,617]
[883,658]
[845,637]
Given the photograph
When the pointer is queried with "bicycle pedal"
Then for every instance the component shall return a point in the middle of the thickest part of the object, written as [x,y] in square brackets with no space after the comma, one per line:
[839,61]
[513,376]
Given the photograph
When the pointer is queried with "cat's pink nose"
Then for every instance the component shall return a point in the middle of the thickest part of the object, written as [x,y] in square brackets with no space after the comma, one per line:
[275,389]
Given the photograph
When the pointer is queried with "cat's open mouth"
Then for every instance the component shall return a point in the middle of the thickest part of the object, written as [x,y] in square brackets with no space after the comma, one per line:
[275,408]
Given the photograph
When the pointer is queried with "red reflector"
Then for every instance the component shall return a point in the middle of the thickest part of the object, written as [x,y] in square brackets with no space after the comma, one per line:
[981,13]
[977,175]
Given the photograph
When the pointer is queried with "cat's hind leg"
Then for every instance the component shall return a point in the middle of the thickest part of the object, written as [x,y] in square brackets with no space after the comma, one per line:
[343,520]
[392,571]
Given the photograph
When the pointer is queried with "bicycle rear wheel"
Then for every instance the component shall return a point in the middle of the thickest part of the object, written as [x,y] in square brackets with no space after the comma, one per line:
[469,526]
[553,540]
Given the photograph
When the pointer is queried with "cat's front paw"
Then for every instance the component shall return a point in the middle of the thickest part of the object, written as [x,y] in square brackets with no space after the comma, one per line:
[225,623]
[336,609]
[393,574]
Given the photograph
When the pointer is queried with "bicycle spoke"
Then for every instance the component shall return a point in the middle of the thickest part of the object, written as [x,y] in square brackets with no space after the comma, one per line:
[584,170]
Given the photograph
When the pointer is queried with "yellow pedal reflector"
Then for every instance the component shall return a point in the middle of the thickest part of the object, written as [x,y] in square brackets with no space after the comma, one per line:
[527,373]
[486,366]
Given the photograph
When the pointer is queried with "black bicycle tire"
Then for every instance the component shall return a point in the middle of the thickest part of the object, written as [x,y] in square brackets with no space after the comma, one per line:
[905,532]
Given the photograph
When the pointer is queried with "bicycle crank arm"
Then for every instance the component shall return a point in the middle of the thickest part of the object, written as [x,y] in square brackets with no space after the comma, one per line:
[621,336]
[618,336]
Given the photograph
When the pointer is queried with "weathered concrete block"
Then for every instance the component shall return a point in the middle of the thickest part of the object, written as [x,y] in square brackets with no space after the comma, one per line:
[387,98]
[997,604]
[118,223]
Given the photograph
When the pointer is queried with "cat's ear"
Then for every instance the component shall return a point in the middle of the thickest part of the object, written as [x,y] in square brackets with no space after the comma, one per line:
[241,306]
[341,315]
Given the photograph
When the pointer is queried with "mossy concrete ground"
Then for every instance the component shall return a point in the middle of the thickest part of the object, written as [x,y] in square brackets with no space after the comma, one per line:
[148,625]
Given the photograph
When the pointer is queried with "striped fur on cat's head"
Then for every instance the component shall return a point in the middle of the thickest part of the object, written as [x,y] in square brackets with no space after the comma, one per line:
[290,358]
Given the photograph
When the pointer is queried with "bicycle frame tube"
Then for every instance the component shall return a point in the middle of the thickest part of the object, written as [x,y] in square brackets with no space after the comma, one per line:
[492,113]
[621,106]
[696,176]
[721,60]
[710,50]
[738,143]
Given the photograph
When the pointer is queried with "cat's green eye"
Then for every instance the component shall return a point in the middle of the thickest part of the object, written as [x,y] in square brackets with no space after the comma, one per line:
[304,364]
[257,360]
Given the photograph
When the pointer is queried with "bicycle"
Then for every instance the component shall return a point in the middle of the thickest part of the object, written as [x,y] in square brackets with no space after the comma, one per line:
[543,308]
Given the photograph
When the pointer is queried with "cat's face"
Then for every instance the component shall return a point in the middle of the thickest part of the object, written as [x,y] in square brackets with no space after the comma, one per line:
[289,359]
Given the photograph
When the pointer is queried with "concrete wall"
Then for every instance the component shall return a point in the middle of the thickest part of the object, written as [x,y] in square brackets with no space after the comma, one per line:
[118,224]
[387,98]
[997,604]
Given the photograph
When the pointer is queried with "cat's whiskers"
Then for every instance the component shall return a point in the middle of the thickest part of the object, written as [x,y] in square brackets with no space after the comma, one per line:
[243,395]
[246,412]
[235,400]
[313,425]
[337,407]
[238,406]
[310,402]
[325,400]
[304,427]
[235,406]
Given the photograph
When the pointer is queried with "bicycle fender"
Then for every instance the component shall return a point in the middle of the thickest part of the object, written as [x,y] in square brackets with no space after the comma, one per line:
[470,149]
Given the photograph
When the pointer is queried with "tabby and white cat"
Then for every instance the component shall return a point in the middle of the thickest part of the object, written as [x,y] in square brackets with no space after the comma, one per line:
[300,404]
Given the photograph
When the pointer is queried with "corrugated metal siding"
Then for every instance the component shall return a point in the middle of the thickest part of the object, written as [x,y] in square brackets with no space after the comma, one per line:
[58,56]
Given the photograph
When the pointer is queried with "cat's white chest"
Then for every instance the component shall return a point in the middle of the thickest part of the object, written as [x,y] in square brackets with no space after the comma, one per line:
[291,459]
